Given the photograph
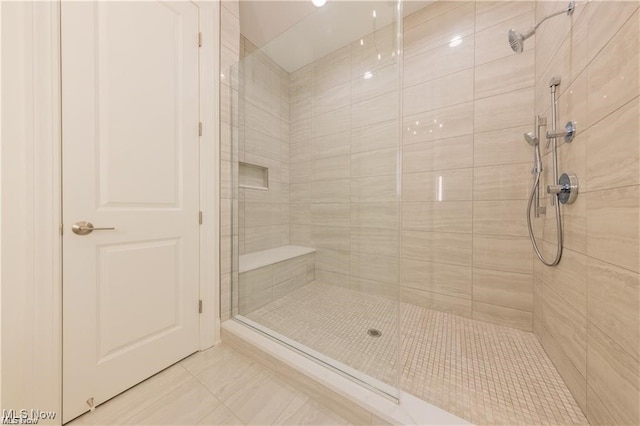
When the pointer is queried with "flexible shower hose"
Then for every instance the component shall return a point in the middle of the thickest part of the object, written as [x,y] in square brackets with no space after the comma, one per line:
[558,224]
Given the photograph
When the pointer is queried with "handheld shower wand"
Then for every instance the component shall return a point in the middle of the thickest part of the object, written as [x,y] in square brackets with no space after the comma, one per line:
[516,38]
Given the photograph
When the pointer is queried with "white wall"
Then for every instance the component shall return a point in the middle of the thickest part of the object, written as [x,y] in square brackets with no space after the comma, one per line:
[30,276]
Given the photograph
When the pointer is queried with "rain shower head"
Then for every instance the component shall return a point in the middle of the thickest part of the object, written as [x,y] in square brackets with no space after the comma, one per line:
[531,138]
[516,38]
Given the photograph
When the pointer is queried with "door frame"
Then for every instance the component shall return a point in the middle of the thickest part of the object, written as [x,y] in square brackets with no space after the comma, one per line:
[31,176]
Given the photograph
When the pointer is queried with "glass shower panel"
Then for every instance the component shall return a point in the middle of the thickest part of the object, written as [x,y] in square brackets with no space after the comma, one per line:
[315,170]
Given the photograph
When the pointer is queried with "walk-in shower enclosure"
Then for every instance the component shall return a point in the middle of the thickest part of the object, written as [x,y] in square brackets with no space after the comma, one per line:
[317,186]
[378,179]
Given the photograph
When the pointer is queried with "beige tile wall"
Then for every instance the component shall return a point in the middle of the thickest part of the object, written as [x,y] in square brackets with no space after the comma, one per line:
[460,186]
[263,106]
[344,152]
[466,169]
[587,309]
[461,249]
[255,130]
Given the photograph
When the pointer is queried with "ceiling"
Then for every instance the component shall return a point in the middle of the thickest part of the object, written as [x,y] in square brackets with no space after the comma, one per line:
[295,33]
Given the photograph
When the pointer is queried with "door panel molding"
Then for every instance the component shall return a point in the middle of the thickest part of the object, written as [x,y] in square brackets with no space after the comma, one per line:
[130,114]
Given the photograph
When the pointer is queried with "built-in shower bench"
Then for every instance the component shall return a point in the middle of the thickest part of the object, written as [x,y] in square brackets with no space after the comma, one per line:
[267,275]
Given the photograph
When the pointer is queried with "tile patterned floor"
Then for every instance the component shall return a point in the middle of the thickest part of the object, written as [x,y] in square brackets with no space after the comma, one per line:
[216,387]
[482,372]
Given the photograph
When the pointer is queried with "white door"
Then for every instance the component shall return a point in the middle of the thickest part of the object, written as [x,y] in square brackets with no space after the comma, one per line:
[130,118]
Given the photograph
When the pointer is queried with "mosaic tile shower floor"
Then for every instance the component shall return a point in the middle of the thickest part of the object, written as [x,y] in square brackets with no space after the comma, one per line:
[482,372]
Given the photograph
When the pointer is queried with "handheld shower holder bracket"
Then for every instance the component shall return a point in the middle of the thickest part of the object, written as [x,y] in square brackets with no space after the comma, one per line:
[568,133]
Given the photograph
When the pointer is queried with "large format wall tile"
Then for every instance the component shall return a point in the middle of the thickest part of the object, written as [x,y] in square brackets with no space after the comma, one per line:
[333,261]
[444,279]
[330,237]
[337,120]
[503,182]
[504,75]
[490,13]
[331,191]
[442,123]
[614,375]
[613,77]
[442,92]
[376,137]
[499,218]
[451,216]
[613,229]
[437,301]
[573,378]
[507,110]
[502,315]
[435,10]
[375,110]
[454,153]
[374,215]
[332,98]
[569,279]
[441,247]
[605,20]
[439,62]
[364,54]
[613,303]
[596,411]
[503,253]
[374,163]
[374,267]
[331,168]
[375,189]
[568,328]
[330,214]
[507,289]
[330,145]
[380,82]
[502,146]
[614,140]
[375,241]
[457,22]
[332,70]
[445,185]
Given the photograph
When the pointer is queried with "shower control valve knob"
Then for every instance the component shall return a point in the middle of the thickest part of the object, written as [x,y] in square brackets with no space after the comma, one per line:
[558,189]
[567,188]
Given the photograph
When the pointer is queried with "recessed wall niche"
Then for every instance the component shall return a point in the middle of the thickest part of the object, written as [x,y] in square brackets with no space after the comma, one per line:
[252,176]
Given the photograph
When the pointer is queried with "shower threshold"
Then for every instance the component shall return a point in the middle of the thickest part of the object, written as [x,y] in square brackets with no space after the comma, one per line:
[351,373]
[329,383]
